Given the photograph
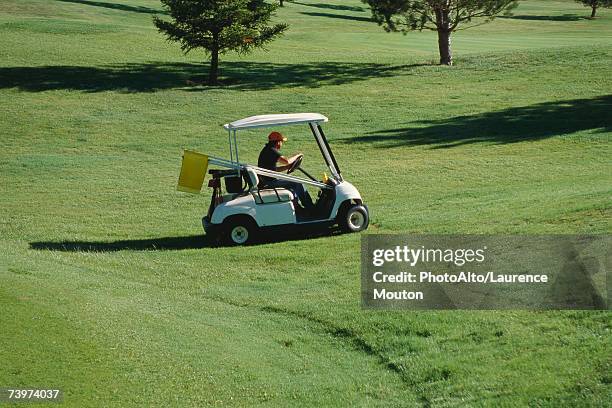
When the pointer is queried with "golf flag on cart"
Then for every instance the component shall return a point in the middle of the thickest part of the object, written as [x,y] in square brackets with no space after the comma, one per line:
[193,170]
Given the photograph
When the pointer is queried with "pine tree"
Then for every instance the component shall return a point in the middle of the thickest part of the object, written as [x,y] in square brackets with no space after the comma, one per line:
[443,16]
[219,26]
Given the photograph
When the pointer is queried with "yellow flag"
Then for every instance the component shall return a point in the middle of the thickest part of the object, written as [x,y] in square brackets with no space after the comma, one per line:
[193,170]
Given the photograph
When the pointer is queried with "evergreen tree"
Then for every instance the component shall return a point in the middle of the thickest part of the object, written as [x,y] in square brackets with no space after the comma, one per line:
[219,26]
[443,16]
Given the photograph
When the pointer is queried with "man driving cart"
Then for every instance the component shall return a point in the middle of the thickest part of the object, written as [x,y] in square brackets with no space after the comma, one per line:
[238,217]
[270,157]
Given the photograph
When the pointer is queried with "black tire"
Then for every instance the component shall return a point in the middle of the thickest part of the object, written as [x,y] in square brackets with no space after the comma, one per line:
[354,219]
[239,231]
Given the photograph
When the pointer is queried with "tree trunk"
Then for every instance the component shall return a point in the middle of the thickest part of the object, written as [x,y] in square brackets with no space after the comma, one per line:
[594,11]
[444,34]
[281,3]
[214,67]
[444,46]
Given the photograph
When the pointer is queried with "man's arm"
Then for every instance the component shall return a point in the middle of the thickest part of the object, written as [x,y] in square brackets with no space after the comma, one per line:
[286,162]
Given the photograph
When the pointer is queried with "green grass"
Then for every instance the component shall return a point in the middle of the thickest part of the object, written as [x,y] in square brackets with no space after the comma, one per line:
[136,310]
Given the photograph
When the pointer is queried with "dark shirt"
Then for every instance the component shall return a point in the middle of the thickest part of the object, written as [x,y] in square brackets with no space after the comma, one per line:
[267,160]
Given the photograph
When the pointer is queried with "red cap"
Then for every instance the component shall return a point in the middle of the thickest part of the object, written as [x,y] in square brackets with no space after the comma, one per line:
[276,136]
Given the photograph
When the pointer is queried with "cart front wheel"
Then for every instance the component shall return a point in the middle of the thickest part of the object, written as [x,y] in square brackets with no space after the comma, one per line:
[355,219]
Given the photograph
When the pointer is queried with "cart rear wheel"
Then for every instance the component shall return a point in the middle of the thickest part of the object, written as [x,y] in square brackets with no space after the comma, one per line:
[355,219]
[240,231]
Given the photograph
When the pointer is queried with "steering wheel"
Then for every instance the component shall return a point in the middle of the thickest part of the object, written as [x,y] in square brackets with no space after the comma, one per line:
[296,164]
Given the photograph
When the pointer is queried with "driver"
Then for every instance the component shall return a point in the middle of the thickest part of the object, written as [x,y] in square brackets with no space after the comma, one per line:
[269,157]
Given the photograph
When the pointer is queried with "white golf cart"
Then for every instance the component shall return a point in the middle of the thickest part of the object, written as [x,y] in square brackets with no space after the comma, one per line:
[247,208]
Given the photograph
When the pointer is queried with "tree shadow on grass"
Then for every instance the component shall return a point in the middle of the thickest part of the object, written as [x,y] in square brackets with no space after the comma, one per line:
[115,6]
[564,17]
[534,122]
[154,76]
[339,16]
[330,6]
[171,243]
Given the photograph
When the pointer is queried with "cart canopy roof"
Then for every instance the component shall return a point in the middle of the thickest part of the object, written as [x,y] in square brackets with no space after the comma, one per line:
[275,120]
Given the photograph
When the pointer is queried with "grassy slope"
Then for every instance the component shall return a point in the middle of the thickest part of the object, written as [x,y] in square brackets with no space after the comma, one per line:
[96,107]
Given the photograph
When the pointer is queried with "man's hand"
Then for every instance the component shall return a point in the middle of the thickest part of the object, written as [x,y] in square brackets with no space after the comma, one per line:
[287,162]
[293,158]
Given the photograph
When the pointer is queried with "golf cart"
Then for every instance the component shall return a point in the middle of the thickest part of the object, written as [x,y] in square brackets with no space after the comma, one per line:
[243,209]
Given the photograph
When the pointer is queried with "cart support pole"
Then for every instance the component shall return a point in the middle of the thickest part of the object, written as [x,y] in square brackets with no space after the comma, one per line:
[324,147]
[236,148]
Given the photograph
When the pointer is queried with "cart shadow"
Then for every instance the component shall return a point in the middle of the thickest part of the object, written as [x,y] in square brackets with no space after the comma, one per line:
[525,123]
[166,243]
[152,244]
[156,76]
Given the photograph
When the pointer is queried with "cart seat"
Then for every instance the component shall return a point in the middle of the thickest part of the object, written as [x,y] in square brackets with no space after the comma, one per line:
[252,177]
[272,195]
[267,195]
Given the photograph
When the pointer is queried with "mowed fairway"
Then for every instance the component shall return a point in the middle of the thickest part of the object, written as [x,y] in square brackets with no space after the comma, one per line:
[109,291]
